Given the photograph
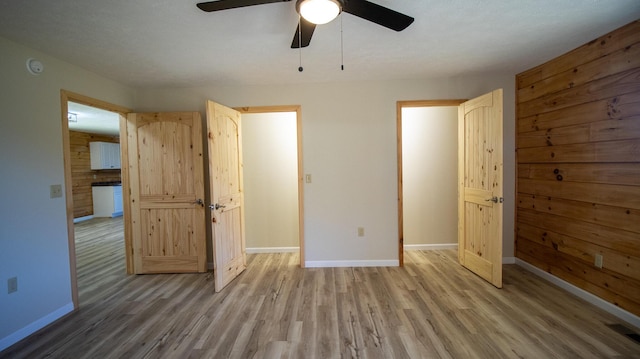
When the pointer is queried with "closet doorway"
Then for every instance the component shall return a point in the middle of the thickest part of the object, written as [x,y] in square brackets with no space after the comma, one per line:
[272,163]
[427,174]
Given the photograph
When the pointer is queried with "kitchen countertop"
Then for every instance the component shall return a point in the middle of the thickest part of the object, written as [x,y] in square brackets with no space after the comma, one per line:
[103,184]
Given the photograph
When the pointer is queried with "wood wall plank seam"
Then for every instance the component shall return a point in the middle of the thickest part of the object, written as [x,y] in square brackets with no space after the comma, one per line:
[613,85]
[610,108]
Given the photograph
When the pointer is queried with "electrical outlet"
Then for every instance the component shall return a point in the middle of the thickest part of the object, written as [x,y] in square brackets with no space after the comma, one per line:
[12,285]
[598,261]
[360,231]
[55,191]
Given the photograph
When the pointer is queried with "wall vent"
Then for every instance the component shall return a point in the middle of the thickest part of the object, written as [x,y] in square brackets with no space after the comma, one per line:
[629,333]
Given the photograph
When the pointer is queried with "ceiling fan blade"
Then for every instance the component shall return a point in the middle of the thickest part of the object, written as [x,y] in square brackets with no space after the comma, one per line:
[379,14]
[232,4]
[306,28]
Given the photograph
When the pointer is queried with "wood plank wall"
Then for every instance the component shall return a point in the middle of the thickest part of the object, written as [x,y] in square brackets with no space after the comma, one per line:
[578,151]
[81,174]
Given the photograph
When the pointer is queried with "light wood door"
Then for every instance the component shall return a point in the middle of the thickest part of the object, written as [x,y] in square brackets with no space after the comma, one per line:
[480,186]
[166,177]
[227,197]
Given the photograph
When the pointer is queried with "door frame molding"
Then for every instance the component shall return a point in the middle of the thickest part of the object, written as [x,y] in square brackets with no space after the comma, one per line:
[298,110]
[65,97]
[399,106]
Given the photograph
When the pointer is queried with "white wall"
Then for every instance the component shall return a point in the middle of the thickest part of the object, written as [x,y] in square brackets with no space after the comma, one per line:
[33,232]
[270,158]
[430,175]
[349,146]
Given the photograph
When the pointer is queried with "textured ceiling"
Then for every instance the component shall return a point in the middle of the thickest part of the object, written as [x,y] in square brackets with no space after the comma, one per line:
[171,43]
[93,120]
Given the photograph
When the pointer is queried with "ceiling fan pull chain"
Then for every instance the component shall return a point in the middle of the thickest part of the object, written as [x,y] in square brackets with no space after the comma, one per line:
[300,69]
[341,46]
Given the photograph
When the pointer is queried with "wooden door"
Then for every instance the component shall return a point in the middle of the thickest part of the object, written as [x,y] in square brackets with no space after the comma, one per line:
[227,197]
[166,180]
[480,186]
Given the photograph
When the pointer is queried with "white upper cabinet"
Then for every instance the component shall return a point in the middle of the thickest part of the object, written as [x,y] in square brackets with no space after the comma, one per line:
[105,155]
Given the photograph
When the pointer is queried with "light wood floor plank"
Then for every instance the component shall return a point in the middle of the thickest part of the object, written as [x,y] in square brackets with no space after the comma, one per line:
[431,308]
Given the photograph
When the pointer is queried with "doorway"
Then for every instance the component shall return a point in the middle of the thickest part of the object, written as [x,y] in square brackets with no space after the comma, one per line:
[427,174]
[67,96]
[79,102]
[273,169]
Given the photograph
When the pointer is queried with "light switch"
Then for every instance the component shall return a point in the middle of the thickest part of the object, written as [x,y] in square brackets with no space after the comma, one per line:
[55,190]
[307,178]
[12,285]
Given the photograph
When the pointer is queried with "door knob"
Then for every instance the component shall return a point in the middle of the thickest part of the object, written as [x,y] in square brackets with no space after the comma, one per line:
[216,206]
[198,201]
[495,199]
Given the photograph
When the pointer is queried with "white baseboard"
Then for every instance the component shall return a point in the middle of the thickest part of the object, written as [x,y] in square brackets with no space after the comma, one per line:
[264,250]
[436,247]
[582,294]
[272,250]
[341,264]
[430,247]
[82,219]
[35,326]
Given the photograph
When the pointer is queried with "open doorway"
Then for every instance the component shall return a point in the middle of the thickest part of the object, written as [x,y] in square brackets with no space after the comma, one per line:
[272,179]
[94,140]
[86,120]
[427,174]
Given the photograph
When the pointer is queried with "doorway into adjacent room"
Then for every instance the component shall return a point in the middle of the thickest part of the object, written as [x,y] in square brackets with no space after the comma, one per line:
[427,174]
[272,179]
[95,240]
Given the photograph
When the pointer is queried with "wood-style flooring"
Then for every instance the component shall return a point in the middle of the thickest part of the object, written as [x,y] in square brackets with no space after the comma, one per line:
[431,308]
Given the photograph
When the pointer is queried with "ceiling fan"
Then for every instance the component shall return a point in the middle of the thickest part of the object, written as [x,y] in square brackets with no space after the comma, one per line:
[312,13]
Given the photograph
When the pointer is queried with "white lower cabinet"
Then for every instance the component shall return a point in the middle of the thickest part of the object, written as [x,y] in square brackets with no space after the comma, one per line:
[107,201]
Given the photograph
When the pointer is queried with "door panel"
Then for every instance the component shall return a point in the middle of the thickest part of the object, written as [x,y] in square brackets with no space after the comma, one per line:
[480,167]
[166,192]
[227,197]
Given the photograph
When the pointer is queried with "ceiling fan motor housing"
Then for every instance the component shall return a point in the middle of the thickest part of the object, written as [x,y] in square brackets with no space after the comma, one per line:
[319,11]
[339,2]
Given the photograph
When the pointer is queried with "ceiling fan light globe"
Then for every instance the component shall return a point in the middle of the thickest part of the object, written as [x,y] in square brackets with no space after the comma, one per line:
[319,11]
